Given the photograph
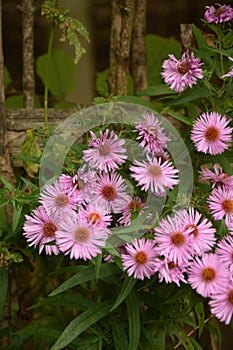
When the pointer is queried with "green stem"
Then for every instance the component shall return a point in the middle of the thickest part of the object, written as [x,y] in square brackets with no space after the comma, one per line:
[46,90]
[221,56]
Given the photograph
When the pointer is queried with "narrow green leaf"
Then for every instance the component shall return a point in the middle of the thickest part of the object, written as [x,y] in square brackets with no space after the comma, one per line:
[71,300]
[85,275]
[201,41]
[128,284]
[7,184]
[196,344]
[16,217]
[154,336]
[200,313]
[156,90]
[3,288]
[119,336]
[180,117]
[79,324]
[225,164]
[191,95]
[134,320]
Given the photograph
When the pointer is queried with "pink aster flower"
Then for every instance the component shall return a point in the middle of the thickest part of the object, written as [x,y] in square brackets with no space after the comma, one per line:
[80,240]
[207,274]
[224,13]
[110,193]
[211,133]
[170,272]
[225,251]
[139,259]
[217,176]
[173,240]
[95,215]
[81,185]
[40,229]
[58,201]
[133,209]
[155,175]
[221,203]
[202,233]
[181,73]
[221,303]
[151,134]
[230,73]
[106,152]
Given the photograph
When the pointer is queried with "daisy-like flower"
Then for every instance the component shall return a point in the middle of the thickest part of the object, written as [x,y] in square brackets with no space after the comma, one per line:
[40,229]
[207,274]
[173,240]
[170,272]
[211,133]
[224,13]
[106,152]
[80,240]
[217,176]
[155,175]
[221,203]
[82,184]
[95,215]
[225,251]
[58,201]
[139,259]
[110,193]
[230,73]
[133,208]
[202,233]
[221,303]
[182,73]
[151,134]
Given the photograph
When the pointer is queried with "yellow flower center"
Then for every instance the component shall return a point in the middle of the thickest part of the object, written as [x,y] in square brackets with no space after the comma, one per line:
[49,229]
[109,192]
[178,239]
[208,274]
[82,234]
[227,206]
[141,258]
[212,134]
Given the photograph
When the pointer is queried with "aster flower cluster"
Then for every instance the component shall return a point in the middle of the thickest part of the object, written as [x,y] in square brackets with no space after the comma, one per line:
[77,212]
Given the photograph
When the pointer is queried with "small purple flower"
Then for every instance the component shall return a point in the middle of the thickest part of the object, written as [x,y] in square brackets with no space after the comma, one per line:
[58,201]
[224,13]
[155,175]
[151,134]
[221,203]
[80,240]
[40,229]
[110,193]
[181,73]
[207,274]
[106,152]
[211,133]
[217,176]
[170,272]
[221,303]
[139,259]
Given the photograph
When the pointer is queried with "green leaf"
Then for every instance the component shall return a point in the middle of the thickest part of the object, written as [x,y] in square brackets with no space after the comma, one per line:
[79,324]
[191,95]
[85,275]
[62,72]
[30,147]
[119,335]
[201,41]
[133,308]
[156,90]
[7,78]
[16,101]
[200,313]
[16,217]
[128,284]
[157,50]
[154,336]
[196,344]
[180,117]
[3,288]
